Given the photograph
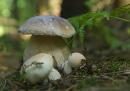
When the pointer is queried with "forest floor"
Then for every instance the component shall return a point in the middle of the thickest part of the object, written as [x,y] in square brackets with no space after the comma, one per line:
[106,70]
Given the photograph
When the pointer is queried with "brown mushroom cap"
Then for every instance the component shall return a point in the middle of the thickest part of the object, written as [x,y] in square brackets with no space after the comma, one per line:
[48,25]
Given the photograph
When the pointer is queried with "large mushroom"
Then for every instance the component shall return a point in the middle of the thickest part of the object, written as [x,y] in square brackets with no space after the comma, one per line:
[47,36]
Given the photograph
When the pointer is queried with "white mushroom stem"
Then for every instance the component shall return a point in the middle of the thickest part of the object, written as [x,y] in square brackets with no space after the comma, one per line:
[54,75]
[67,69]
[52,45]
[75,60]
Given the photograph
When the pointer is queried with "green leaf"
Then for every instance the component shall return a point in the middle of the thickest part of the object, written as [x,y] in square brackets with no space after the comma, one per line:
[93,19]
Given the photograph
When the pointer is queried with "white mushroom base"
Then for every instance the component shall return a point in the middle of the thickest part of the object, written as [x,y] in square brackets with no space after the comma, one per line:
[39,67]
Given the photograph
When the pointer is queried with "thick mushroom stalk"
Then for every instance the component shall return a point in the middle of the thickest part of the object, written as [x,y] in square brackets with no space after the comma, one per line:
[75,60]
[53,45]
[39,67]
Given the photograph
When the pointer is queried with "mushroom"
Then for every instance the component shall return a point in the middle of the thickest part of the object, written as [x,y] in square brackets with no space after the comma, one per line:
[75,60]
[47,36]
[39,67]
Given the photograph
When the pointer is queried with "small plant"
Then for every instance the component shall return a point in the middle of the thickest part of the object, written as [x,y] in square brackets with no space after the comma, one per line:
[96,20]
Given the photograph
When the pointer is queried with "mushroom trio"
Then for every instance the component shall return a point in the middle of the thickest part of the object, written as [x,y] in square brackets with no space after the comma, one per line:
[47,48]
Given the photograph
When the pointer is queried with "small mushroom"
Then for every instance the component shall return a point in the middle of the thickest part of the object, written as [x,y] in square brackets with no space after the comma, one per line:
[75,60]
[39,67]
[54,75]
[47,37]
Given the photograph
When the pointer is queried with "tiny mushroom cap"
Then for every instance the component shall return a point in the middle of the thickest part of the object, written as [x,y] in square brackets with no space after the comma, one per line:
[76,59]
[37,67]
[48,25]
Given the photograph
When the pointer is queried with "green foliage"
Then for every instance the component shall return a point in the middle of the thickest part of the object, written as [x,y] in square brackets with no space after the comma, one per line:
[91,81]
[26,9]
[9,44]
[96,20]
[108,36]
[87,20]
[123,10]
[89,3]
[5,8]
